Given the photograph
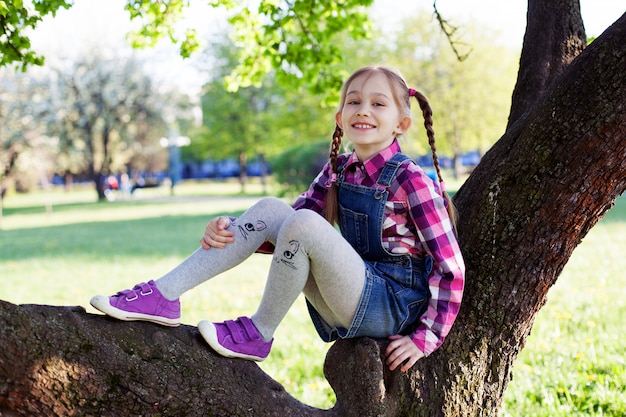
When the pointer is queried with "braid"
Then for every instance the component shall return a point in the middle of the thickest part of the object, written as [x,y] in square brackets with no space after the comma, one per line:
[335,146]
[331,197]
[427,113]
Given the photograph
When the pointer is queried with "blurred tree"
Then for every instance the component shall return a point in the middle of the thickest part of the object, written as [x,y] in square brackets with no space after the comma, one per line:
[107,111]
[24,107]
[254,121]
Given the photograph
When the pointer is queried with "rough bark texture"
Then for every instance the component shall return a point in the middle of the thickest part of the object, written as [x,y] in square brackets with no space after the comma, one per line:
[532,199]
[555,35]
[534,196]
[61,361]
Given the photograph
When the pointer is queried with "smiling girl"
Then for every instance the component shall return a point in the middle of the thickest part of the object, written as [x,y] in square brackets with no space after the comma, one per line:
[393,271]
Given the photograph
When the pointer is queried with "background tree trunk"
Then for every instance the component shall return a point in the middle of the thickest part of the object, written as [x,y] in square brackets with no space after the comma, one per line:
[532,199]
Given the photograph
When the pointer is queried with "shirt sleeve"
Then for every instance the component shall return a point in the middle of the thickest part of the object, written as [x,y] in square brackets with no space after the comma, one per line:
[446,281]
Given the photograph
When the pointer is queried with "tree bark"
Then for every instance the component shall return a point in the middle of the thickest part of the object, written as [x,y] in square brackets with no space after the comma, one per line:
[61,361]
[524,209]
[529,203]
[555,35]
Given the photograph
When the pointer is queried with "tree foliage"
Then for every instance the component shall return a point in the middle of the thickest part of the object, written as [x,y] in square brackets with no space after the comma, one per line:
[297,39]
[16,18]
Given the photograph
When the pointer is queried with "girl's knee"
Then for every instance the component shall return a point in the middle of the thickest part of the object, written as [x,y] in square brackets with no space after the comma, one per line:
[304,221]
[273,205]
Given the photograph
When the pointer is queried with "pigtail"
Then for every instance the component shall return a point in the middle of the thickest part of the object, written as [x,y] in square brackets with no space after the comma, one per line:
[332,205]
[427,112]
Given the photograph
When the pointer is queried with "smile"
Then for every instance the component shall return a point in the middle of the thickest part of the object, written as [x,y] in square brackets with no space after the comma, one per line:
[362,126]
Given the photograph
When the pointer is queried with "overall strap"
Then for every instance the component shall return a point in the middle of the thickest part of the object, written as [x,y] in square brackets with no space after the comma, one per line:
[390,168]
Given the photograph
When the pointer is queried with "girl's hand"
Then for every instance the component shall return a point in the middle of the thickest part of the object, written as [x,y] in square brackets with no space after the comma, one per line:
[216,235]
[402,352]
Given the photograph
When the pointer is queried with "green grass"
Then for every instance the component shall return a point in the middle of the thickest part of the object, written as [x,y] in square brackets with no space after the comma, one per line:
[573,363]
[63,253]
[78,248]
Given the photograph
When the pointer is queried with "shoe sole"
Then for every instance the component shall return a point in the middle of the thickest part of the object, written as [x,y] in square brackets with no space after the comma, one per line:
[209,333]
[102,304]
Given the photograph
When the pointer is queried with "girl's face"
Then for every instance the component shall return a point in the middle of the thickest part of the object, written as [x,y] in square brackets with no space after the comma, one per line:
[370,117]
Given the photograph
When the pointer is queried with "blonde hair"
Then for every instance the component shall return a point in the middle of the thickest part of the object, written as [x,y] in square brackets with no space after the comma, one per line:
[402,95]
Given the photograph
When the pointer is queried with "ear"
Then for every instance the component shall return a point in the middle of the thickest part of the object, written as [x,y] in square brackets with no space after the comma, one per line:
[338,119]
[403,125]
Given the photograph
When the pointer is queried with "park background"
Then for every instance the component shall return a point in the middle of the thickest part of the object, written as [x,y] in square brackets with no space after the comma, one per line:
[60,247]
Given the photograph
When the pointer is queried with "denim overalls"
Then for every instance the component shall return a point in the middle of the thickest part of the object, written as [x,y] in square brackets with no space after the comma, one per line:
[396,286]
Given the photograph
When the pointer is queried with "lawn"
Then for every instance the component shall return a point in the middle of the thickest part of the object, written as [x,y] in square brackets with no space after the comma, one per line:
[61,248]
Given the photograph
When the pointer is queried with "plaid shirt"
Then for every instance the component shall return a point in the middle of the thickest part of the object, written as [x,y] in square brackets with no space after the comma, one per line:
[416,222]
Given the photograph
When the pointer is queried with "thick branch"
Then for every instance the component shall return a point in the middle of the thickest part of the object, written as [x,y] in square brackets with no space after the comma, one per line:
[63,361]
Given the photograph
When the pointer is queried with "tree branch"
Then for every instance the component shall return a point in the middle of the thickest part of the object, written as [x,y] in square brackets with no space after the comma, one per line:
[449,30]
[63,361]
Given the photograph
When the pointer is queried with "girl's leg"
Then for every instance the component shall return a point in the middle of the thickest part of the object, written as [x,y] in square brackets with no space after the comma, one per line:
[258,224]
[310,250]
[157,301]
[306,244]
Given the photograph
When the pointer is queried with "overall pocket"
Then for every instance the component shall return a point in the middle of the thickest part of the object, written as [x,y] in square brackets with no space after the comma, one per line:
[354,229]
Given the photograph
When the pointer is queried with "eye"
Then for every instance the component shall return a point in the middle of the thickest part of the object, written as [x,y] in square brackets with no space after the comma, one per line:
[379,104]
[353,102]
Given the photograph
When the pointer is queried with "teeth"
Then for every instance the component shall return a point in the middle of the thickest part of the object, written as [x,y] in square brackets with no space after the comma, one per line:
[362,126]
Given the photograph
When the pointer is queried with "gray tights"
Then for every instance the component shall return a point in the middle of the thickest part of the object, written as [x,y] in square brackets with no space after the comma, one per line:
[310,257]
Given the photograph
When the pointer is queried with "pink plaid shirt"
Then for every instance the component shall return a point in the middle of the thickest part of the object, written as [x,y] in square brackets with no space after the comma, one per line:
[416,222]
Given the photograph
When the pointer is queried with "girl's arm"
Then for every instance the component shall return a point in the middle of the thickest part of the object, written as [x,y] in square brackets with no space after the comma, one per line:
[446,282]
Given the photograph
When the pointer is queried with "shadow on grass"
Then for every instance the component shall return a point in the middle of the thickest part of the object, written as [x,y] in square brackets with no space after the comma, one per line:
[68,207]
[149,237]
[176,235]
[39,209]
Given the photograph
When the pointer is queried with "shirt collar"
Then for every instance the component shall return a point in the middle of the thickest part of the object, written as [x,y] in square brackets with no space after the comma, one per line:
[376,162]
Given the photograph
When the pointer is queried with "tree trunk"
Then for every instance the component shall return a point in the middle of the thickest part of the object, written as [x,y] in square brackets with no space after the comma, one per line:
[528,204]
[524,209]
[99,181]
[555,35]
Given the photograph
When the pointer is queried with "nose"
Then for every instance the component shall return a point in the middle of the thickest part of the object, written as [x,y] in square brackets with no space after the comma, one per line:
[363,110]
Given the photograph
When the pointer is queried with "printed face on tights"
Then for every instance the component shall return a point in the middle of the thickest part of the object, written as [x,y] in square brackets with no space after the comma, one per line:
[370,117]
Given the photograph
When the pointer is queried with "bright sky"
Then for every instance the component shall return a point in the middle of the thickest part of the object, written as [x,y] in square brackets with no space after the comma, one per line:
[104,23]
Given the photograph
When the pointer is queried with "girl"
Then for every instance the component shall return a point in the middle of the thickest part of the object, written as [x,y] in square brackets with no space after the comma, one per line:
[395,271]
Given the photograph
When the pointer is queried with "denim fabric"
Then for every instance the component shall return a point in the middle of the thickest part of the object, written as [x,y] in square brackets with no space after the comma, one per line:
[396,286]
